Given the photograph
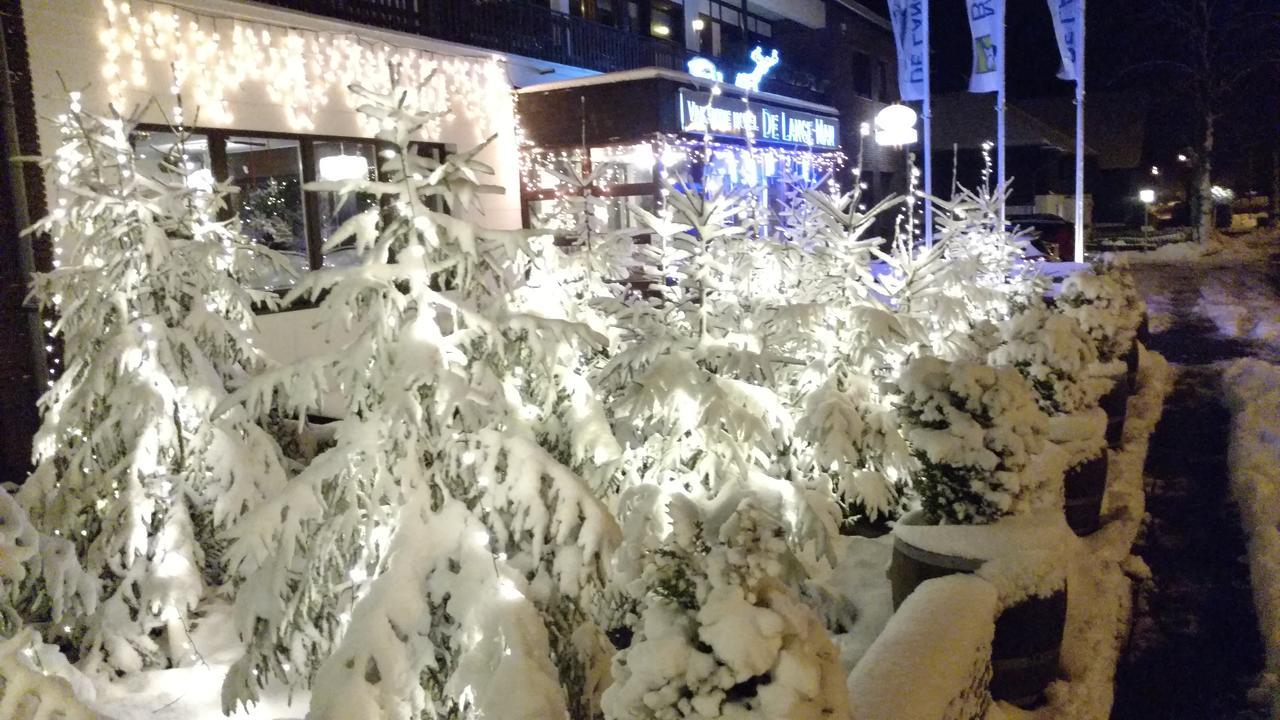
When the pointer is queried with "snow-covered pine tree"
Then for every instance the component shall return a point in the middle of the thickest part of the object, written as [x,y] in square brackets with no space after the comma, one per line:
[721,635]
[398,575]
[692,398]
[39,574]
[975,429]
[154,323]
[969,225]
[690,389]
[848,431]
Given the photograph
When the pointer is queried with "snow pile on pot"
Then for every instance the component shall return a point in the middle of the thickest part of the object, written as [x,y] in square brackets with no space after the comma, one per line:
[1107,305]
[975,430]
[1253,393]
[933,660]
[1060,360]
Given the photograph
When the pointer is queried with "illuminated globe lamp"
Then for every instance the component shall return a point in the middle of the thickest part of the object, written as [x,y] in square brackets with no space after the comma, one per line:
[896,126]
[344,167]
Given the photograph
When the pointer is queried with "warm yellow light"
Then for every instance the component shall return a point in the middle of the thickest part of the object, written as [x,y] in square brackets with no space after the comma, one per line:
[661,30]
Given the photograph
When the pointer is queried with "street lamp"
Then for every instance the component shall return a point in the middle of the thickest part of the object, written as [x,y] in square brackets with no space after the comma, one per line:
[1147,196]
[1155,170]
[896,125]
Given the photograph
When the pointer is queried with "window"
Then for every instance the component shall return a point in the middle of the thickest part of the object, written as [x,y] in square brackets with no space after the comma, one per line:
[268,173]
[342,161]
[666,21]
[734,28]
[158,150]
[862,74]
[270,170]
[625,177]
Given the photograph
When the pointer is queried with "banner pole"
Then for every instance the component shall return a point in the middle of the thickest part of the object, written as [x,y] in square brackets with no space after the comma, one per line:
[1000,108]
[928,133]
[1079,239]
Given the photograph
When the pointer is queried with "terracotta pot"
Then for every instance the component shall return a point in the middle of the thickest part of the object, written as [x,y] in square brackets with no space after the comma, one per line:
[1116,404]
[1028,639]
[1086,483]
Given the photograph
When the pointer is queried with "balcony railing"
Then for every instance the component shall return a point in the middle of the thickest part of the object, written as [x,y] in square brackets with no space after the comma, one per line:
[508,26]
[530,30]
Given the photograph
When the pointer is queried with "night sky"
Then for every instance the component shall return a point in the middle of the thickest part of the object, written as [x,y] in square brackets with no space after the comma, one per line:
[1123,41]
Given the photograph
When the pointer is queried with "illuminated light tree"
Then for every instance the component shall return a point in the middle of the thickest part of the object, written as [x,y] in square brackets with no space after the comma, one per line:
[155,324]
[405,571]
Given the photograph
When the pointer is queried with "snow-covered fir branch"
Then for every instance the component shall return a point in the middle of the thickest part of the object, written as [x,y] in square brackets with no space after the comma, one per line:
[155,324]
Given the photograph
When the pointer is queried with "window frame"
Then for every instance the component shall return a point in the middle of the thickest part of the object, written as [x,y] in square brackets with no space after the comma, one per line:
[218,160]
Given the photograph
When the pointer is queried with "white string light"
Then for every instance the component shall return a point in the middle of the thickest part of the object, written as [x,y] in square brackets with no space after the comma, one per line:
[209,58]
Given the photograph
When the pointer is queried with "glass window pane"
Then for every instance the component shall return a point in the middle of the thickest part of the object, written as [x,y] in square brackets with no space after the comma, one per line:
[624,164]
[268,173]
[343,161]
[563,162]
[157,150]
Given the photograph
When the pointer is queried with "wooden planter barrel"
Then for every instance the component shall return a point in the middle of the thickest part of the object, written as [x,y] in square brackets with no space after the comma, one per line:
[1027,645]
[1028,639]
[1116,404]
[1085,483]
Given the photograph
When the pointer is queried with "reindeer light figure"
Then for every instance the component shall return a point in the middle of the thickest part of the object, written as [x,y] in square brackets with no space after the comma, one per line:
[764,63]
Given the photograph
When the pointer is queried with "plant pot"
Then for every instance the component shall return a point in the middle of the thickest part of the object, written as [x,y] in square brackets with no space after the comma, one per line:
[1027,645]
[1116,404]
[1085,484]
[1028,638]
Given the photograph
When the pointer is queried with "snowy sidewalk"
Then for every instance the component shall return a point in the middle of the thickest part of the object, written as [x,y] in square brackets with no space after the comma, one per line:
[1195,649]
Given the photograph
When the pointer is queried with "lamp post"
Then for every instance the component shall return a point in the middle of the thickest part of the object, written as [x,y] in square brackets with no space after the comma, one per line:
[896,127]
[1147,196]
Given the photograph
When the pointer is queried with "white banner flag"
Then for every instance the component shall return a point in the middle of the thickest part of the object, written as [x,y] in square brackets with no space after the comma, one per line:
[913,46]
[1067,25]
[985,19]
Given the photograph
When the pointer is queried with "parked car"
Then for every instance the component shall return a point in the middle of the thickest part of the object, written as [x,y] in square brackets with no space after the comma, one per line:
[1053,236]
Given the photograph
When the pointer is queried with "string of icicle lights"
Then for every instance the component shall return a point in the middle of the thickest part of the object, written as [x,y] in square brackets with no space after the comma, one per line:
[210,59]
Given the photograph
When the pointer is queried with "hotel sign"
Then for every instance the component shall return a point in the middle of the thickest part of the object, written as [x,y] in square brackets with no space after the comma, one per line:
[701,112]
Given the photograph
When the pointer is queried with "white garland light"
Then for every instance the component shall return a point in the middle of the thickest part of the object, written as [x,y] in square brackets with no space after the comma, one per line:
[208,58]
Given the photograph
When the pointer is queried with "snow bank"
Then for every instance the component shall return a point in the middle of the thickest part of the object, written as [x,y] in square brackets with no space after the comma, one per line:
[1240,307]
[1253,394]
[933,660]
[1224,250]
[1100,569]
[1021,553]
[26,691]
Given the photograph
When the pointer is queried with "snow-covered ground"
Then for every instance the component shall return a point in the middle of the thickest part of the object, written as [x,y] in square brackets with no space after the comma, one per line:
[190,693]
[1253,394]
[1239,294]
[1099,577]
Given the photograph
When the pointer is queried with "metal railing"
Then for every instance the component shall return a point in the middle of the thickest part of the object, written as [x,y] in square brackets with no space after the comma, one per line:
[509,26]
[534,31]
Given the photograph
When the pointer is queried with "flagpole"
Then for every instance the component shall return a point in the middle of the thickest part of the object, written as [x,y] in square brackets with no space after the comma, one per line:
[928,134]
[1079,239]
[1000,108]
